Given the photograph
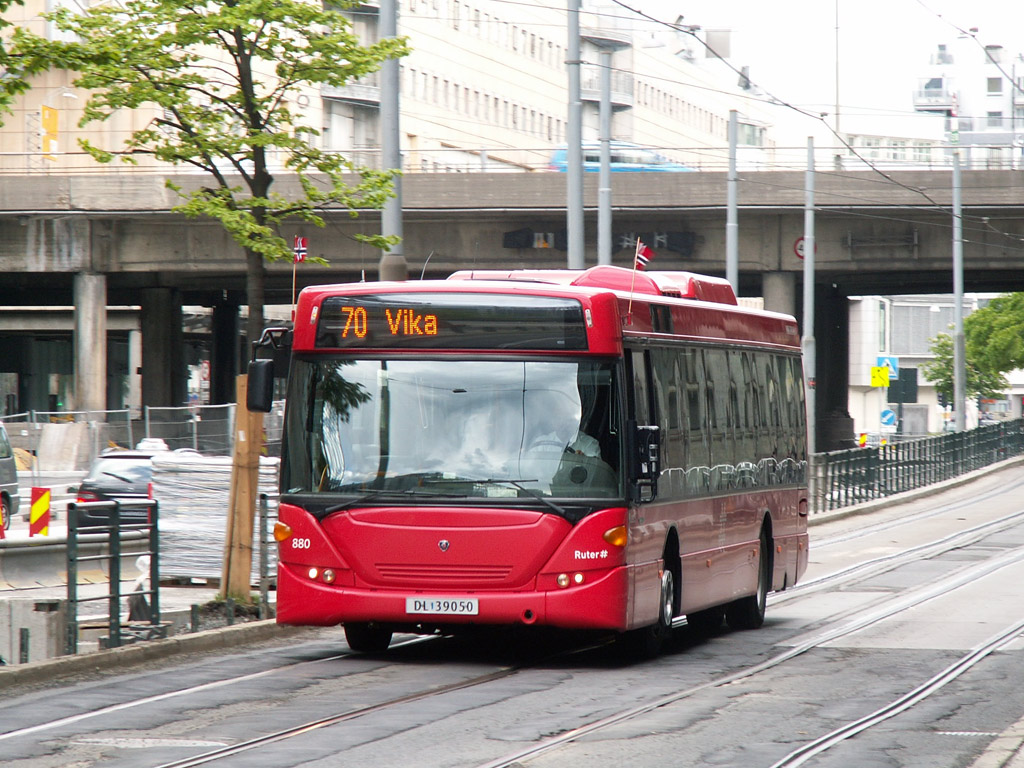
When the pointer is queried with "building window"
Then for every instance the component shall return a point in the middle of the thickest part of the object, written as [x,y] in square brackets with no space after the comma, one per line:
[995,86]
[995,120]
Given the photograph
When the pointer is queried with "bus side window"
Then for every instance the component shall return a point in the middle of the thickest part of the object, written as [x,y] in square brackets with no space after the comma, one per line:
[640,408]
[691,369]
[666,385]
[722,452]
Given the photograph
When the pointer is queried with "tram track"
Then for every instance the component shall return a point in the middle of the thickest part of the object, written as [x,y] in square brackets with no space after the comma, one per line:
[808,641]
[797,646]
[867,618]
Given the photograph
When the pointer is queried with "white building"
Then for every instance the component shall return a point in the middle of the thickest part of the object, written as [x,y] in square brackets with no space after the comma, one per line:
[485,87]
[977,88]
[901,328]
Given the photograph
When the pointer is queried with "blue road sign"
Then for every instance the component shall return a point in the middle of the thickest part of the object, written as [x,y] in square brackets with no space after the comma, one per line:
[890,362]
[888,417]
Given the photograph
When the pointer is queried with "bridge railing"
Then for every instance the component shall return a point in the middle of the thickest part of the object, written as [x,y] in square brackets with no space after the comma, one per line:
[533,158]
[855,475]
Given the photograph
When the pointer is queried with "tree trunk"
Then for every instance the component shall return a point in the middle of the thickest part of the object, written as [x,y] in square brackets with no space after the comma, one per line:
[255,285]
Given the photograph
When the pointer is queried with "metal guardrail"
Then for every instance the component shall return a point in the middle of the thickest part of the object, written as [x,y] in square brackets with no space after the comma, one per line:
[855,475]
[144,617]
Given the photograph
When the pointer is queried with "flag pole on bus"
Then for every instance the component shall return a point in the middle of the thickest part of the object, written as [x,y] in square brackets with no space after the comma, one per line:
[299,248]
[640,258]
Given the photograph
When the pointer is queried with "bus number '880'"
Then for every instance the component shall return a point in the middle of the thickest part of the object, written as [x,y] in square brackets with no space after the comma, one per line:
[301,544]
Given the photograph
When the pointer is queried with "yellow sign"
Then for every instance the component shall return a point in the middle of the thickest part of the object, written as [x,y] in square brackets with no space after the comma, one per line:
[48,128]
[880,376]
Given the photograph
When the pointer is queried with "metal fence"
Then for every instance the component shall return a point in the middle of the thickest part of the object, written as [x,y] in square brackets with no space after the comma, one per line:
[209,429]
[843,478]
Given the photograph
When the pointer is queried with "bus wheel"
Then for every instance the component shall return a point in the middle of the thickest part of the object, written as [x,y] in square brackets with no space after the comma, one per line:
[748,612]
[367,638]
[646,642]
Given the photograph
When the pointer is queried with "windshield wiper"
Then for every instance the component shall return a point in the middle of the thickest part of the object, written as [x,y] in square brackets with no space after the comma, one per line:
[384,492]
[518,484]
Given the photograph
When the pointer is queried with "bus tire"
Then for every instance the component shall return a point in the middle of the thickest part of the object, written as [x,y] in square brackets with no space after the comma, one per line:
[367,638]
[646,642]
[748,612]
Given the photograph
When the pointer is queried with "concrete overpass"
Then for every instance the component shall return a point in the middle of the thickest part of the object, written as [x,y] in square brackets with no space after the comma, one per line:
[104,238]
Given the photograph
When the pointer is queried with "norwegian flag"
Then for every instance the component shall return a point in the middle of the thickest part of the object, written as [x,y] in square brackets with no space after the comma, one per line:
[643,255]
[300,248]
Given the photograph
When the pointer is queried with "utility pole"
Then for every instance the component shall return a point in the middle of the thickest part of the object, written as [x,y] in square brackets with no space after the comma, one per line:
[574,141]
[732,227]
[808,343]
[393,265]
[604,184]
[959,352]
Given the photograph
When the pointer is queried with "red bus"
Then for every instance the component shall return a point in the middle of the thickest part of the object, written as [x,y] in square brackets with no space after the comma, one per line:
[600,449]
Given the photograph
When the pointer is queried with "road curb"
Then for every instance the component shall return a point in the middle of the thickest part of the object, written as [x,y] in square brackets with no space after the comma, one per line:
[142,652]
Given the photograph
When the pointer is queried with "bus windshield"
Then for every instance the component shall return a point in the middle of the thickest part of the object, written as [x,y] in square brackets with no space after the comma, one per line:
[455,428]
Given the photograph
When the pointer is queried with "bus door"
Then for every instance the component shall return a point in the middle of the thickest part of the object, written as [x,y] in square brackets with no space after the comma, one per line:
[643,445]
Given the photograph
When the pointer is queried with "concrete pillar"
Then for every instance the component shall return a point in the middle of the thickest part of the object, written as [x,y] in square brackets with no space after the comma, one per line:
[134,372]
[224,353]
[779,292]
[832,329]
[90,342]
[163,354]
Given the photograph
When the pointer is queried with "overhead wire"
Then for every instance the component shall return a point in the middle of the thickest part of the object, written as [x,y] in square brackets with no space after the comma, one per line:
[820,118]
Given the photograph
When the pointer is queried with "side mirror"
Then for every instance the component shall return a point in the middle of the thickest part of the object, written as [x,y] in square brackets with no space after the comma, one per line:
[644,452]
[259,395]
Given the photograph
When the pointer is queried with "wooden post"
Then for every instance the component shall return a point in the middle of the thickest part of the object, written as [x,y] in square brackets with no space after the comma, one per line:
[242,498]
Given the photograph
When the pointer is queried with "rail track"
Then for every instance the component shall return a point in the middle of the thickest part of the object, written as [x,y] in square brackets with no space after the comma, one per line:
[815,635]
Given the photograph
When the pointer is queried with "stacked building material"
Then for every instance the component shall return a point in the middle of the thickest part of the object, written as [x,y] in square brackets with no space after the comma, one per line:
[193,491]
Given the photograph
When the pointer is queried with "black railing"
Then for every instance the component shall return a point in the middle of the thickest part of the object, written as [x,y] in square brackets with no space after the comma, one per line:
[863,474]
[144,604]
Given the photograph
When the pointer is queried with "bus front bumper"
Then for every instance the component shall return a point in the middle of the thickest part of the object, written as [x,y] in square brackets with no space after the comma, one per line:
[599,603]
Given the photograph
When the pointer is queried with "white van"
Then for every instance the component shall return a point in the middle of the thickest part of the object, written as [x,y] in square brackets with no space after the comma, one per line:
[9,497]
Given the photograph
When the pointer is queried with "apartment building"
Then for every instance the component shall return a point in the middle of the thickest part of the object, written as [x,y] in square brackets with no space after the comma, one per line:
[978,88]
[485,88]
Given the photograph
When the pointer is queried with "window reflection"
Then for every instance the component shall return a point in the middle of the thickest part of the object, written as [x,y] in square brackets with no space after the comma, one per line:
[465,428]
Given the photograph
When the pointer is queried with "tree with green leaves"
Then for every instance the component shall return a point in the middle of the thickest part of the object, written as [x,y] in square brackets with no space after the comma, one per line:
[220,78]
[994,335]
[981,381]
[14,68]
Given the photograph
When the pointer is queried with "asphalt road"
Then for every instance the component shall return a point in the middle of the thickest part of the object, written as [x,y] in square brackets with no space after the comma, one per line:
[902,648]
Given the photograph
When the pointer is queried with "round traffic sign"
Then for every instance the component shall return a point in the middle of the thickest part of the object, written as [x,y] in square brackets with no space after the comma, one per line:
[798,247]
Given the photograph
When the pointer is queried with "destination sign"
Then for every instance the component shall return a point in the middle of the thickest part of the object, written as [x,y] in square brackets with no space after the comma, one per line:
[451,321]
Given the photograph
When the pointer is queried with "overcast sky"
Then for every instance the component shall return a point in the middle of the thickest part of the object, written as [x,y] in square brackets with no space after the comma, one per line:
[884,45]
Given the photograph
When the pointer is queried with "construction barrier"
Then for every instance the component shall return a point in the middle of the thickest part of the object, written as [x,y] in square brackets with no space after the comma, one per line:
[39,515]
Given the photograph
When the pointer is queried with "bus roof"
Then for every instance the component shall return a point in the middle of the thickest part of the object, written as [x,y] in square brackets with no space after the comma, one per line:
[665,304]
[680,285]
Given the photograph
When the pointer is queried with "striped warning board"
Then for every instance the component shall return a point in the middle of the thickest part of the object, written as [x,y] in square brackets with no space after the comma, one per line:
[39,516]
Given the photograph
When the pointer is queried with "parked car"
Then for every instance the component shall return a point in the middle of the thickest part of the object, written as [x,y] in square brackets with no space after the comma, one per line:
[10,499]
[122,476]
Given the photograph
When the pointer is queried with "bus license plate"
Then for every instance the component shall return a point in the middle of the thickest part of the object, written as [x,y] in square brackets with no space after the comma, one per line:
[448,606]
